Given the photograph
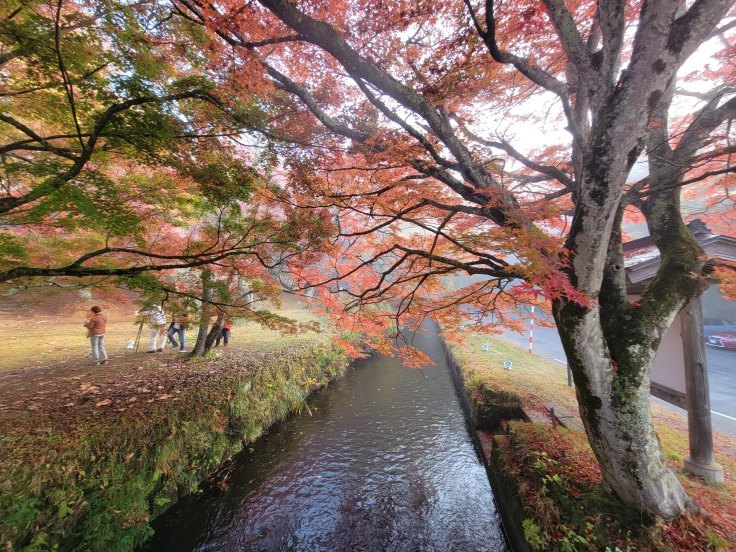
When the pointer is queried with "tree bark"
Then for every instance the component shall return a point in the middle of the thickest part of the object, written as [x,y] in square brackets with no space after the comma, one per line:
[214,332]
[611,346]
[205,312]
[613,398]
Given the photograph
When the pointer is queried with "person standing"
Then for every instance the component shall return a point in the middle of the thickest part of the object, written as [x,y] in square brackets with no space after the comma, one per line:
[178,325]
[96,325]
[224,333]
[156,320]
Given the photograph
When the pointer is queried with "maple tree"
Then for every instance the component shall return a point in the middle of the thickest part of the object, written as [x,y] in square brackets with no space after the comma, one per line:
[239,286]
[411,111]
[124,166]
[116,154]
[400,129]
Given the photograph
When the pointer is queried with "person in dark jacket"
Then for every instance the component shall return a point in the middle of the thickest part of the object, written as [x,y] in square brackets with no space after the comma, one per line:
[224,333]
[96,325]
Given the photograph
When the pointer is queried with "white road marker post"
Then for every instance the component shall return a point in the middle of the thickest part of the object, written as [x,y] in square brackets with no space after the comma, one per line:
[531,332]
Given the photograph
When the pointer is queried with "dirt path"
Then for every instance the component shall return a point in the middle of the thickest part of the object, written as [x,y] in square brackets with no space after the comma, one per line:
[67,393]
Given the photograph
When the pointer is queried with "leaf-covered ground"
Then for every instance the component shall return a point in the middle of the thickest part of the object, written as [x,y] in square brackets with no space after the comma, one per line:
[70,393]
[86,452]
[58,389]
[556,470]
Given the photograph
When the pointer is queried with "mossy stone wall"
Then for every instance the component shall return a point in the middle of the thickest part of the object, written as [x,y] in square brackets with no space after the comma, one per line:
[484,409]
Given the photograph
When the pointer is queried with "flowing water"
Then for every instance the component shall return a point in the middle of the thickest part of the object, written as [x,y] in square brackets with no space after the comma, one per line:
[385,462]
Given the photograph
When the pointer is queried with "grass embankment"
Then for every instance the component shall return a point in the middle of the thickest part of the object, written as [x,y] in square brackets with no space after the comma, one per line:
[90,455]
[555,475]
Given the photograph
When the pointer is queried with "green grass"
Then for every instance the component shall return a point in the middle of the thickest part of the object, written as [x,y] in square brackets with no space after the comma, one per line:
[45,339]
[536,380]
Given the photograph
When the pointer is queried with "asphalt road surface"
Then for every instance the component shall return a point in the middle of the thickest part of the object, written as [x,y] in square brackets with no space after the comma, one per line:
[721,374]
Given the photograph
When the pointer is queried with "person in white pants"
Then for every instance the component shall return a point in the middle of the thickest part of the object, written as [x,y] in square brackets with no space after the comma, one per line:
[158,339]
[156,319]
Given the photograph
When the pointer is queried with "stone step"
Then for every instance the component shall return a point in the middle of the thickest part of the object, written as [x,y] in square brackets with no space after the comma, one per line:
[560,415]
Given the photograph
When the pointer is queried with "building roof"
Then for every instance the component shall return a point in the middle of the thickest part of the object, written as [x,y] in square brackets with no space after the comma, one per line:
[641,256]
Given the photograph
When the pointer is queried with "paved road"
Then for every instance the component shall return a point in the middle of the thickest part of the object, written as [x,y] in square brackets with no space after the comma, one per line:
[721,374]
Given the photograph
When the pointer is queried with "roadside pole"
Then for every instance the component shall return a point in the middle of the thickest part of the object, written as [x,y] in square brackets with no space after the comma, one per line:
[701,459]
[531,332]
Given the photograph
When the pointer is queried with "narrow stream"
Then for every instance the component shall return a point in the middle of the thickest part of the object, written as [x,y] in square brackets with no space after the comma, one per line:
[385,462]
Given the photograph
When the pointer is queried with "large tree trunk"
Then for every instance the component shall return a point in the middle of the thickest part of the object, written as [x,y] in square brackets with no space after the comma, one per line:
[205,312]
[214,332]
[613,398]
[610,348]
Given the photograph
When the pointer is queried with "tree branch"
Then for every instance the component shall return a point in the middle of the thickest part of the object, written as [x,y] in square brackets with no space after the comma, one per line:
[569,35]
[53,183]
[533,73]
[10,55]
[612,25]
[76,270]
[695,26]
[548,170]
[36,138]
[325,36]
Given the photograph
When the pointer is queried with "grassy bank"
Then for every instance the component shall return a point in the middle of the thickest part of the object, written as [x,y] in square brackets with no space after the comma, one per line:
[89,461]
[47,330]
[554,477]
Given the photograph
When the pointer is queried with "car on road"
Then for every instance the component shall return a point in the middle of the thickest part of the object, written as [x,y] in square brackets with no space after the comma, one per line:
[722,340]
[717,325]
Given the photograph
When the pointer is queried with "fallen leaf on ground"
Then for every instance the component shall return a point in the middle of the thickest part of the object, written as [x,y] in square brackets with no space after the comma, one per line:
[103,402]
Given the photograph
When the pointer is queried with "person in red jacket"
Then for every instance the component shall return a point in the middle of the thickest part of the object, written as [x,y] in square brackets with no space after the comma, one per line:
[96,325]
